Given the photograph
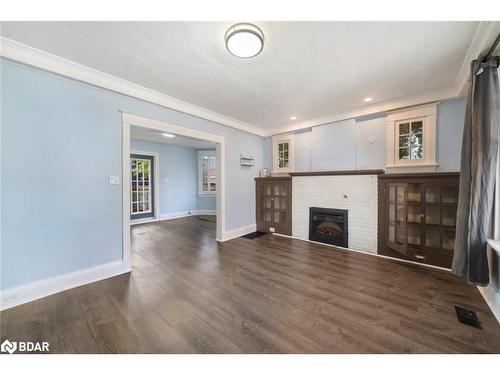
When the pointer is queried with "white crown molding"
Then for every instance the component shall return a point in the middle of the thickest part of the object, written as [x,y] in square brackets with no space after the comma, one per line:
[485,34]
[25,54]
[10,49]
[368,110]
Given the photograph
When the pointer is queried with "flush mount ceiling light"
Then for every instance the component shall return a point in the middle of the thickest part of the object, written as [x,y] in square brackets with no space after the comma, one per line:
[293,118]
[168,135]
[244,40]
[367,100]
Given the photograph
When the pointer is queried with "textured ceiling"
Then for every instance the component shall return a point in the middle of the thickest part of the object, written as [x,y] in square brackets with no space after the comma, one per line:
[306,69]
[144,134]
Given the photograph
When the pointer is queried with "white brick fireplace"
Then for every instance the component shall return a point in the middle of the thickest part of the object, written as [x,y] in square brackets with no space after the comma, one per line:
[355,193]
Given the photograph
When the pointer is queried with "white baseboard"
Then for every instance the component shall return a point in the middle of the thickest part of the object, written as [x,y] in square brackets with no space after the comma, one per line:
[492,297]
[177,215]
[43,288]
[238,232]
[144,221]
[205,212]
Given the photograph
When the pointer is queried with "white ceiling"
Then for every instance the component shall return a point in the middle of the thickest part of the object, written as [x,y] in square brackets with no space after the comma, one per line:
[144,134]
[306,69]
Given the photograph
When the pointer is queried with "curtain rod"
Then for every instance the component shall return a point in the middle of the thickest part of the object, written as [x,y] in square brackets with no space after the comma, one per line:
[492,49]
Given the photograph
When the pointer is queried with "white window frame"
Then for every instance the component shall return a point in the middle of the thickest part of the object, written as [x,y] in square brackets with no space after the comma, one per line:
[151,189]
[277,140]
[426,114]
[156,187]
[495,241]
[201,155]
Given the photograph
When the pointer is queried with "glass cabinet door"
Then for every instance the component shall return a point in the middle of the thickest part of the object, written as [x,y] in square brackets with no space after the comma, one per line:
[440,204]
[274,203]
[396,210]
[267,203]
[419,218]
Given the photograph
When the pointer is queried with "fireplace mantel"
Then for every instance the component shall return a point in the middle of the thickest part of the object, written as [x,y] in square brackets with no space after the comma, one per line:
[339,173]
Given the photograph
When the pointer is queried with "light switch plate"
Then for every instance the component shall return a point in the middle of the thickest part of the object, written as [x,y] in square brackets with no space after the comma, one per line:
[114,180]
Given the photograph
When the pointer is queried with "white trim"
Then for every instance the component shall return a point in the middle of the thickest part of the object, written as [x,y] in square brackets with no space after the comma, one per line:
[28,55]
[43,288]
[495,245]
[156,179]
[177,215]
[221,190]
[238,232]
[364,252]
[443,94]
[414,168]
[206,212]
[425,113]
[484,36]
[128,120]
[144,221]
[181,214]
[492,297]
[126,253]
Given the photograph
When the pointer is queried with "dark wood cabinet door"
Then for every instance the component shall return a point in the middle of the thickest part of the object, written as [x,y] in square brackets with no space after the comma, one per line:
[440,214]
[273,205]
[396,217]
[417,222]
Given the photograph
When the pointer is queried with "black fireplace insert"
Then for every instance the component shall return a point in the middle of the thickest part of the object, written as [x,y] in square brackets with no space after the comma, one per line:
[328,225]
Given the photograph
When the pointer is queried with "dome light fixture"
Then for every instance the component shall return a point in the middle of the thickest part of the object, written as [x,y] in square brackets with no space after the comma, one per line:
[244,40]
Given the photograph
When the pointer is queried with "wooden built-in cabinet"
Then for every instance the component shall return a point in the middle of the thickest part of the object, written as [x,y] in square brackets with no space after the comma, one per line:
[274,204]
[417,216]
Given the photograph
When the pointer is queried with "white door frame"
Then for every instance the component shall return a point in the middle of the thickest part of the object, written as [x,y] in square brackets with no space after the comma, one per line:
[129,119]
[156,187]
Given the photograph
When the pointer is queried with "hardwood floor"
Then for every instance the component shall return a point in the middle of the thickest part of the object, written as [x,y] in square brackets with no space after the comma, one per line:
[189,294]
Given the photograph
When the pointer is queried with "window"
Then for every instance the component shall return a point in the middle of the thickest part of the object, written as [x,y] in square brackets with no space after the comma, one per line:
[283,153]
[207,172]
[411,139]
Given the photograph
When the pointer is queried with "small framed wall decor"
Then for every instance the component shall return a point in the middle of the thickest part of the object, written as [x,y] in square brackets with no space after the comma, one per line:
[246,160]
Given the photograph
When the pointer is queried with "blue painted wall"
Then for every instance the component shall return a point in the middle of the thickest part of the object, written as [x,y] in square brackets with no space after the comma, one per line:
[371,143]
[177,175]
[178,180]
[303,149]
[362,143]
[450,126]
[61,140]
[206,202]
[333,147]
